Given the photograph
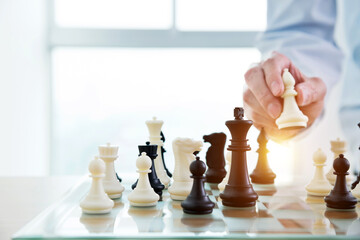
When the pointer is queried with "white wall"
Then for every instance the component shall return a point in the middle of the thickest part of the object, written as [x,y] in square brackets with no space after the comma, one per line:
[24,88]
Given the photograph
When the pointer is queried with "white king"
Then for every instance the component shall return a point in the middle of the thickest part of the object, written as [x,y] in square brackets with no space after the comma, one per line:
[154,127]
[108,153]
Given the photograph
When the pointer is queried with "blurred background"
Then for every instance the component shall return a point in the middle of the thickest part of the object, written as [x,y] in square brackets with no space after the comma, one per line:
[79,73]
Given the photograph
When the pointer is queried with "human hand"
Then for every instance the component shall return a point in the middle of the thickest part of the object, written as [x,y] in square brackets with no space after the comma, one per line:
[264,87]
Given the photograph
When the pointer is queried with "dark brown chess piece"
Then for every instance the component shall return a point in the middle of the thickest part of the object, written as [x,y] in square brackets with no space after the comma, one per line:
[162,155]
[197,202]
[262,173]
[215,157]
[239,192]
[151,151]
[356,182]
[340,197]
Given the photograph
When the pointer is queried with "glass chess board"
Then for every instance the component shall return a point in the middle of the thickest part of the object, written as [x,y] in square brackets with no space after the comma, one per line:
[281,212]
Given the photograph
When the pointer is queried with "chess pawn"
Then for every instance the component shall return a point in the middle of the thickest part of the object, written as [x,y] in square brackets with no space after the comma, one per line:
[96,201]
[262,173]
[221,185]
[183,149]
[143,195]
[197,202]
[291,116]
[154,127]
[215,157]
[319,185]
[340,197]
[112,186]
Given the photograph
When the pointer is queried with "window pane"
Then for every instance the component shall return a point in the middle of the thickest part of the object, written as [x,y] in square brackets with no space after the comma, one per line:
[221,15]
[107,94]
[154,14]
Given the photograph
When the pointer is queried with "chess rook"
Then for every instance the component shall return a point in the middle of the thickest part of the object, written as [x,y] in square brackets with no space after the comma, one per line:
[96,201]
[291,116]
[154,127]
[262,173]
[340,197]
[215,157]
[239,192]
[108,153]
[197,202]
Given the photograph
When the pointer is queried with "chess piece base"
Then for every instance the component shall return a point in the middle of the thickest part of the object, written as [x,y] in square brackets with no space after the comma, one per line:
[266,178]
[138,204]
[102,211]
[291,125]
[342,202]
[239,196]
[115,196]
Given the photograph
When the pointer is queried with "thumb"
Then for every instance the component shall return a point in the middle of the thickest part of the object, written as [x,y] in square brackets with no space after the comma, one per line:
[311,90]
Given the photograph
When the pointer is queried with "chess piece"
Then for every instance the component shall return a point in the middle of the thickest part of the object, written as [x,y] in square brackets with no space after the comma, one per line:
[155,183]
[143,195]
[239,192]
[356,186]
[197,202]
[337,147]
[319,185]
[291,116]
[215,157]
[154,127]
[112,186]
[162,155]
[221,185]
[183,149]
[262,173]
[340,197]
[356,182]
[97,201]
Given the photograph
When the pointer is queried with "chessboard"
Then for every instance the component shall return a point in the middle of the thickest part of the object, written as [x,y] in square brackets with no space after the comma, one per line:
[281,212]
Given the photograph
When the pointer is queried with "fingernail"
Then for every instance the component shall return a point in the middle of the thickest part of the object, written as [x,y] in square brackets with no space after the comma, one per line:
[275,88]
[274,110]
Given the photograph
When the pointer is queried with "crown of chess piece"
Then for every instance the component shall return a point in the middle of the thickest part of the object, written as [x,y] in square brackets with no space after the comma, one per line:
[108,153]
[215,157]
[97,201]
[143,195]
[154,127]
[221,185]
[291,116]
[197,202]
[319,185]
[262,174]
[151,151]
[162,155]
[340,197]
[183,149]
[239,192]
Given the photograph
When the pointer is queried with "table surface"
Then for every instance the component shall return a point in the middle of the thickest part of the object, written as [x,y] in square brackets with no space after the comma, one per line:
[23,198]
[281,212]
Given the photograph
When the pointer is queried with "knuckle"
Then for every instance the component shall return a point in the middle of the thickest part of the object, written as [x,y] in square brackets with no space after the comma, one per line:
[247,96]
[251,72]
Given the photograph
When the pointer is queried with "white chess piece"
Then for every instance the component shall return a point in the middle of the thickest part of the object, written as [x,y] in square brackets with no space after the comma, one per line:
[356,191]
[112,186]
[319,185]
[337,147]
[291,115]
[183,149]
[143,195]
[97,201]
[223,183]
[154,127]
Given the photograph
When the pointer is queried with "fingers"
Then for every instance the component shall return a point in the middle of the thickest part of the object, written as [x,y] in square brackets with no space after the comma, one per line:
[273,68]
[310,91]
[255,81]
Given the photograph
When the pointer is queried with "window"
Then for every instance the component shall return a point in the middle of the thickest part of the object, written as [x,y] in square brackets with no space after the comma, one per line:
[116,64]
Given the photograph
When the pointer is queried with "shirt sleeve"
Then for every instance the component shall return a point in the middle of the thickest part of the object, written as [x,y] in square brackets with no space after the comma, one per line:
[304,32]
